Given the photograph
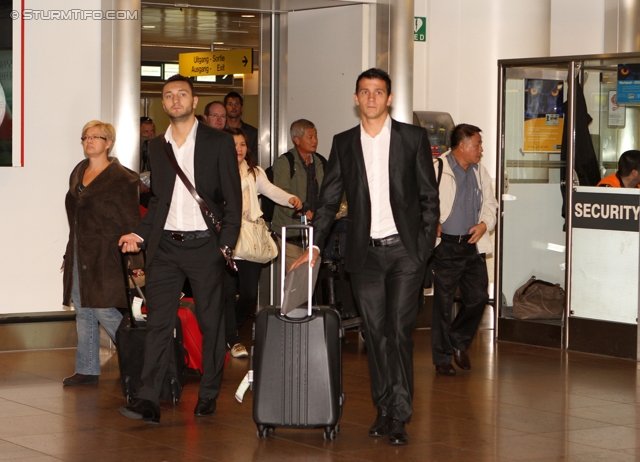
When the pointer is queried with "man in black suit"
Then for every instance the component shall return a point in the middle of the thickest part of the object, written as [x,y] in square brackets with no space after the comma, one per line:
[386,170]
[182,241]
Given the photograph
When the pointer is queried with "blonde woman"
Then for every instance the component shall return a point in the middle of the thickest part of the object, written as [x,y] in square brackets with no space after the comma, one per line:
[102,205]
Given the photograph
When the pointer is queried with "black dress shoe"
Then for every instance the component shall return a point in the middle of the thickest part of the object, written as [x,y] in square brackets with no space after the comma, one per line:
[205,406]
[446,369]
[380,427]
[397,433]
[142,409]
[80,379]
[461,358]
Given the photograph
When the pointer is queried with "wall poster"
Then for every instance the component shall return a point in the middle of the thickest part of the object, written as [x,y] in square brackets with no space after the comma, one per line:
[628,83]
[11,29]
[617,113]
[543,115]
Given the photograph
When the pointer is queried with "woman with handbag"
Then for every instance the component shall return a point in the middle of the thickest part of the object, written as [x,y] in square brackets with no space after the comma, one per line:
[255,245]
[102,205]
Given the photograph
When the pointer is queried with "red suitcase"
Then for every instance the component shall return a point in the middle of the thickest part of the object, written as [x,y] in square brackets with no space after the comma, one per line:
[191,336]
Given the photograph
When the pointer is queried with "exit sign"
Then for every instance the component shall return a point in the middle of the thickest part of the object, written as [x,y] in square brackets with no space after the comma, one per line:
[419,29]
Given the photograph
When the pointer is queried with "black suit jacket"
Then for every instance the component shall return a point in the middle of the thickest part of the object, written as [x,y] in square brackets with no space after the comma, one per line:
[217,181]
[413,193]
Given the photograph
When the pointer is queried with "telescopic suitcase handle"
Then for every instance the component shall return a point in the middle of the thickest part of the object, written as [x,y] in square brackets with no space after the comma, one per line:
[283,262]
[128,276]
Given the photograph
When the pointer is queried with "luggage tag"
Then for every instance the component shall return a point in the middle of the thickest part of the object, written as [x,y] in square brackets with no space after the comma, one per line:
[244,386]
[136,308]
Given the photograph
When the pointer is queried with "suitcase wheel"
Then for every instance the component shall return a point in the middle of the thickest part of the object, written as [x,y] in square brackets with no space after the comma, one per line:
[128,392]
[330,433]
[175,391]
[264,432]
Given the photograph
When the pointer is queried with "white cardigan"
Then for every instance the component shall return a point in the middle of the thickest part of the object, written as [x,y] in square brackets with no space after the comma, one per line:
[488,209]
[260,185]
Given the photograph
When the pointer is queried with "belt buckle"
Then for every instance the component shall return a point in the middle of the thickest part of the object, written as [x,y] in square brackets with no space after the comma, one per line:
[177,236]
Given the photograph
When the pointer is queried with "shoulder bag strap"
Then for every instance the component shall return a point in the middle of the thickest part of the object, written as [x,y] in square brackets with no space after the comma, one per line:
[439,169]
[203,205]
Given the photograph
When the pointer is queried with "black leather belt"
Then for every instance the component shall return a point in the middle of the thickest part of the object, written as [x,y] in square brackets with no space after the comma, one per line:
[458,239]
[186,235]
[385,241]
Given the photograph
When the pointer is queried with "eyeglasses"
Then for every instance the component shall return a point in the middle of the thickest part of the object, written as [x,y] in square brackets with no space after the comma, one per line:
[93,138]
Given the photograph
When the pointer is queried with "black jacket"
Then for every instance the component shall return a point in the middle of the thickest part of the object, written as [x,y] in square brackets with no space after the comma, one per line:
[217,182]
[413,193]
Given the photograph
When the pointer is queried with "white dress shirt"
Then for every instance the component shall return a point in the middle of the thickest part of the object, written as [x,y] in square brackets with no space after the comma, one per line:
[184,211]
[376,161]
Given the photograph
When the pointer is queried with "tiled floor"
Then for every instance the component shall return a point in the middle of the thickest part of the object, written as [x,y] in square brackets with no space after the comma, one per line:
[517,403]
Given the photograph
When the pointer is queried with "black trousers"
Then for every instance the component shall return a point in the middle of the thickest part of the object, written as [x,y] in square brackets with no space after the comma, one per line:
[245,281]
[387,292]
[457,265]
[202,262]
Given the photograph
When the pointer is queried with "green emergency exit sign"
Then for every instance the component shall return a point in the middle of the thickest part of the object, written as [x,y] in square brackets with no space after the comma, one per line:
[419,29]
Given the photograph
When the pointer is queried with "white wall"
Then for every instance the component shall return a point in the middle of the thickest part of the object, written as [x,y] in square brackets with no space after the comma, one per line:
[325,57]
[577,27]
[61,93]
[465,40]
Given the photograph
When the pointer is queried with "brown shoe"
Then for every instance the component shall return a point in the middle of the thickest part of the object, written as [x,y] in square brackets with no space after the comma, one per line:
[461,358]
[80,379]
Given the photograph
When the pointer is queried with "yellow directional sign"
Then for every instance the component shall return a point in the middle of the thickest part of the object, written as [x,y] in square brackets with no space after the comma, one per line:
[216,62]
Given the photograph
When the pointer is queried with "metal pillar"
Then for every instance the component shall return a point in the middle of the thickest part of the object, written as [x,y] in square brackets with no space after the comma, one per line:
[497,251]
[121,43]
[574,68]
[401,58]
[628,26]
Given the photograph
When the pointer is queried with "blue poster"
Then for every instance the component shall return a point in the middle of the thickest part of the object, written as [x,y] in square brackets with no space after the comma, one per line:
[543,115]
[628,83]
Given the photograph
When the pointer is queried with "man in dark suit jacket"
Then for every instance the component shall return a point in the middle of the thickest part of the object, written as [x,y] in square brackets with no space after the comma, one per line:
[182,241]
[386,170]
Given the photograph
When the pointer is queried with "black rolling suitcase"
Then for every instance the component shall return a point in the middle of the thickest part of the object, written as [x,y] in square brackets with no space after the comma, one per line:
[297,367]
[130,342]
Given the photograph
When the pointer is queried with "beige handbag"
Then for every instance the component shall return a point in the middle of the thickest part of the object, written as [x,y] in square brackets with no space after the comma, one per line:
[255,242]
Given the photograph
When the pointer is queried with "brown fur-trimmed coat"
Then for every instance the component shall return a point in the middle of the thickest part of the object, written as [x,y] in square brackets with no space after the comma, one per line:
[105,210]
